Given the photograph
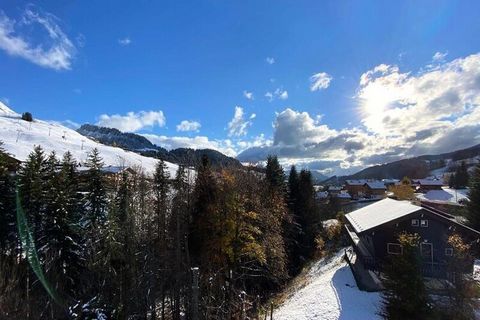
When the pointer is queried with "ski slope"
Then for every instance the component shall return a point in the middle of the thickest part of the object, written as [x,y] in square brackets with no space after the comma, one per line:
[330,294]
[19,137]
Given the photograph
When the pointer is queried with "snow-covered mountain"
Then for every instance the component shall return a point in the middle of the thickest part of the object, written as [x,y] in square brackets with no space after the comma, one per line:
[19,137]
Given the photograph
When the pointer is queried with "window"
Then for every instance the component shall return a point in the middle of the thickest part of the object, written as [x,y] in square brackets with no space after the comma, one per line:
[394,248]
[449,252]
[426,249]
[414,222]
[424,223]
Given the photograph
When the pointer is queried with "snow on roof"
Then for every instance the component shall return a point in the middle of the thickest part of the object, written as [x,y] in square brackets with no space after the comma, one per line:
[389,181]
[446,195]
[376,185]
[379,213]
[428,182]
[322,194]
[344,195]
[356,182]
[334,188]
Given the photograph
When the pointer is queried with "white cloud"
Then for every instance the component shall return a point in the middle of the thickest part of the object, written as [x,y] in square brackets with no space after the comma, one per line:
[238,126]
[248,95]
[269,96]
[270,60]
[403,115]
[279,93]
[124,41]
[199,142]
[56,52]
[133,121]
[320,81]
[439,56]
[187,125]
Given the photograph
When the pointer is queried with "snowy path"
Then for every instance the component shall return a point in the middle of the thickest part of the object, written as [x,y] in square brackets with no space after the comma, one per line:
[330,294]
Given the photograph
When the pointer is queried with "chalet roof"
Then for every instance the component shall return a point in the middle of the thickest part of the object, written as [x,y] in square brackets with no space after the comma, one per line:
[334,188]
[360,182]
[428,182]
[377,185]
[380,212]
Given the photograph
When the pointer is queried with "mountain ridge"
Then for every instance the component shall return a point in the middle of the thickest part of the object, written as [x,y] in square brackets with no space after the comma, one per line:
[141,145]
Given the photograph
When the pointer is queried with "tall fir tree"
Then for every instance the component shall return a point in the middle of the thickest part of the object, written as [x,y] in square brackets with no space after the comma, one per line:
[308,212]
[294,230]
[161,185]
[61,244]
[31,177]
[473,204]
[8,234]
[274,174]
[95,191]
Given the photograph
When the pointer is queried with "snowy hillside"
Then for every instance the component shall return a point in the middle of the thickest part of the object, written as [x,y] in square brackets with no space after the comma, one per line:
[330,294]
[19,138]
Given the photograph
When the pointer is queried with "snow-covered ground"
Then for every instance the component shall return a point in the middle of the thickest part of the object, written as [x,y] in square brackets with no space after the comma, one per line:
[330,294]
[446,195]
[20,137]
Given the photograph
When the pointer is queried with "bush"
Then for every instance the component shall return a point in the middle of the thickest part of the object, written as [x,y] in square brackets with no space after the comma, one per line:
[27,116]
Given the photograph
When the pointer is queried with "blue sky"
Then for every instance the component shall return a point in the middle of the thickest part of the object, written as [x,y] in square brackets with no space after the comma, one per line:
[239,74]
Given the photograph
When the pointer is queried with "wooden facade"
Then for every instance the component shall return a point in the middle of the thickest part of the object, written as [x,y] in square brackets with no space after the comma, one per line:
[375,245]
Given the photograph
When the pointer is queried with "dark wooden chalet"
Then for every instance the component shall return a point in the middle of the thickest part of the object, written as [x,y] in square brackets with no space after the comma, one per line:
[425,185]
[375,189]
[373,232]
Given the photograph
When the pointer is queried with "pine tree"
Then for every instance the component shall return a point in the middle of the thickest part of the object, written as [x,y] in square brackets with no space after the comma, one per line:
[179,233]
[61,244]
[8,235]
[308,212]
[294,230]
[461,176]
[160,208]
[274,174]
[204,210]
[473,205]
[95,191]
[405,296]
[31,177]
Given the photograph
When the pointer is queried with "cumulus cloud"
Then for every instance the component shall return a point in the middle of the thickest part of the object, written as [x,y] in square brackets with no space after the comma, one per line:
[199,142]
[124,41]
[54,50]
[320,81]
[402,114]
[270,60]
[248,95]
[238,126]
[187,125]
[133,121]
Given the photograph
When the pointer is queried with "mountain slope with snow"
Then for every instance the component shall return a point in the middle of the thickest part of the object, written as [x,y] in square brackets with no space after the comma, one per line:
[19,137]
